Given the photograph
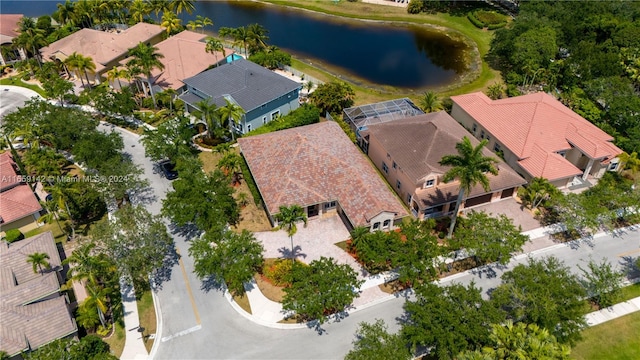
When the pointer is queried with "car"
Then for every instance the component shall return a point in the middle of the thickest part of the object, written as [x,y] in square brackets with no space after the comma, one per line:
[168,169]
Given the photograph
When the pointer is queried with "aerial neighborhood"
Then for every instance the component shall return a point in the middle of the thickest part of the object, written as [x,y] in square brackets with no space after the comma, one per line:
[349,179]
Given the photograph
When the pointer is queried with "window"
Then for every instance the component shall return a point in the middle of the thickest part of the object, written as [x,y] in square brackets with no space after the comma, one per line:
[376,226]
[429,183]
[409,198]
[275,114]
[482,134]
[386,224]
[398,184]
[497,148]
[613,166]
[329,205]
[488,138]
[434,210]
[385,168]
[474,128]
[248,127]
[388,156]
[395,166]
[562,153]
[264,120]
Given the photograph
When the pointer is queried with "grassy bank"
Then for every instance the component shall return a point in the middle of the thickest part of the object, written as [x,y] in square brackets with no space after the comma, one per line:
[615,339]
[455,25]
[147,318]
[18,82]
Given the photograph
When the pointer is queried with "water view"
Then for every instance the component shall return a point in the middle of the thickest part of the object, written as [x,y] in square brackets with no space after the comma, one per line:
[408,57]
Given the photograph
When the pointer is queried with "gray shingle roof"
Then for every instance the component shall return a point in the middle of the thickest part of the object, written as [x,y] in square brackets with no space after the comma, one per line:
[249,84]
[32,311]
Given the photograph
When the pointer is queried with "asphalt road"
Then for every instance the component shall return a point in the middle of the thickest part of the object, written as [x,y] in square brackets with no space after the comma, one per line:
[10,100]
[201,324]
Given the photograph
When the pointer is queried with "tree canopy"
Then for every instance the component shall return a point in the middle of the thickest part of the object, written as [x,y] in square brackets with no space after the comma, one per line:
[332,97]
[373,342]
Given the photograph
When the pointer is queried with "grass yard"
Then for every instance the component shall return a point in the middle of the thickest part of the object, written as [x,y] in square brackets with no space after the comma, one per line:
[116,340]
[243,302]
[630,292]
[18,82]
[58,235]
[147,318]
[270,291]
[614,340]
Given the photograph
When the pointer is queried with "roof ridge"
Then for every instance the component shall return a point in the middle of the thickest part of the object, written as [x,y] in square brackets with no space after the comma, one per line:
[528,136]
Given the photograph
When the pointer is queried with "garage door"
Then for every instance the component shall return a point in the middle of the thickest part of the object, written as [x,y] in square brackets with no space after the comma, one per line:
[477,200]
[506,193]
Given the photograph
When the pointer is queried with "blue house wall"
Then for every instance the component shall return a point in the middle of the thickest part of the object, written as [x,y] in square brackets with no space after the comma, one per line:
[271,110]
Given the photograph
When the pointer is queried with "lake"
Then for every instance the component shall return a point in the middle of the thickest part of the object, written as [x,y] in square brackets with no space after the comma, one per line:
[370,53]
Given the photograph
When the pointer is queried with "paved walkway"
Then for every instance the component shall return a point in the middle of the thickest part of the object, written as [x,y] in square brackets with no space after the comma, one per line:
[134,343]
[613,312]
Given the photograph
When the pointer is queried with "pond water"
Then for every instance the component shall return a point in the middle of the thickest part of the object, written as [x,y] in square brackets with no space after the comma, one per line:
[408,57]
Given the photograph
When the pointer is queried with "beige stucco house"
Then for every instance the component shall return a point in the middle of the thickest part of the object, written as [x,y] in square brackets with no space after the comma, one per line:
[539,137]
[319,168]
[408,151]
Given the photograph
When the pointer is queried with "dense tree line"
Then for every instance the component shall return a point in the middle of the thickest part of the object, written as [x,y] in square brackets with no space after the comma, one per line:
[587,53]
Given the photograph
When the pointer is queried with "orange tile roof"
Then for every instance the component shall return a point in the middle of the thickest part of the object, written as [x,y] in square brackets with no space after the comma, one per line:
[530,123]
[314,164]
[550,166]
[17,203]
[103,47]
[8,175]
[9,27]
[184,57]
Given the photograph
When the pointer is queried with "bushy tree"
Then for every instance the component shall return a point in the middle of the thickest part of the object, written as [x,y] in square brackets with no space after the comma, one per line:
[320,289]
[416,259]
[95,148]
[332,97]
[271,58]
[602,282]
[226,256]
[539,192]
[373,342]
[169,140]
[546,293]
[449,320]
[488,238]
[137,241]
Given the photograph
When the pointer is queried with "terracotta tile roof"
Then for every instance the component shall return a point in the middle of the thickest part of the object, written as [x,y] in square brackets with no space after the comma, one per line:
[314,164]
[184,57]
[17,203]
[418,143]
[9,27]
[32,311]
[103,47]
[521,123]
[550,166]
[8,174]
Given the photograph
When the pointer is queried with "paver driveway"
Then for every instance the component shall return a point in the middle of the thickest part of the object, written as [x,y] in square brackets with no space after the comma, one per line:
[311,242]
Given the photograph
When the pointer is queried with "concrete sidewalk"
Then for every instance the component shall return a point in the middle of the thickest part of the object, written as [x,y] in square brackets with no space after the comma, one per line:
[613,312]
[134,344]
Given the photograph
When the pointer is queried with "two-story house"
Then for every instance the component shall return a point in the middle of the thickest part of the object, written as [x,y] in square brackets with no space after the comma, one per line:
[539,136]
[261,93]
[408,152]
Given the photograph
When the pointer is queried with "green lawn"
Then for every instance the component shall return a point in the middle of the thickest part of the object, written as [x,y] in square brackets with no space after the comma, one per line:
[617,339]
[17,82]
[116,340]
[147,317]
[630,292]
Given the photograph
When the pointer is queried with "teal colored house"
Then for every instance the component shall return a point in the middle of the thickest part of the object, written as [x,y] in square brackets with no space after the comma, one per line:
[261,93]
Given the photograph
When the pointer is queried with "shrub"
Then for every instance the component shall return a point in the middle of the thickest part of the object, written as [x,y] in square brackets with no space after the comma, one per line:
[415,7]
[304,115]
[251,183]
[279,273]
[13,235]
[489,17]
[497,26]
[475,21]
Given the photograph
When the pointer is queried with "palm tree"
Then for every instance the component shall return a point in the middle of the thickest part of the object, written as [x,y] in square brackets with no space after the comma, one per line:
[287,218]
[38,260]
[171,22]
[231,112]
[192,25]
[138,9]
[85,265]
[241,37]
[494,92]
[97,297]
[429,102]
[159,6]
[83,11]
[203,21]
[209,116]
[71,62]
[147,58]
[87,316]
[31,38]
[358,235]
[308,86]
[230,164]
[179,5]
[66,12]
[469,167]
[116,74]
[631,162]
[80,64]
[257,36]
[60,194]
[214,46]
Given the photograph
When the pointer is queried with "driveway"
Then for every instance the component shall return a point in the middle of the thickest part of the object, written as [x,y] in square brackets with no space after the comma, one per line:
[521,216]
[311,242]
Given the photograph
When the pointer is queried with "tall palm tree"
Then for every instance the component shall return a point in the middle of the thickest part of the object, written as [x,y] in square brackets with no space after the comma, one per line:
[138,9]
[71,62]
[287,218]
[192,25]
[203,21]
[179,5]
[171,22]
[214,46]
[469,167]
[86,65]
[231,113]
[241,37]
[87,316]
[61,196]
[38,260]
[147,58]
[209,116]
[115,74]
[65,12]
[31,38]
[97,297]
[429,102]
[86,266]
[83,12]
[159,6]
[257,36]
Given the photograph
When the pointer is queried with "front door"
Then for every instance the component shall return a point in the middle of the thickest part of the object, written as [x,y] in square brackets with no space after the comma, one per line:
[313,210]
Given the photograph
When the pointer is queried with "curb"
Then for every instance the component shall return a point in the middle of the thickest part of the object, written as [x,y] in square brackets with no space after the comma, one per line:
[156,343]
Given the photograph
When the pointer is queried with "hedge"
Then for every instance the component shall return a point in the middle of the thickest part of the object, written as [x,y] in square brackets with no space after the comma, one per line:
[13,235]
[475,21]
[251,183]
[304,115]
[496,26]
[489,17]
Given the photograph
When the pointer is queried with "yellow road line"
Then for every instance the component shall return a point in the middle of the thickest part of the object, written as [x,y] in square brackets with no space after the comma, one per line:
[629,253]
[186,281]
